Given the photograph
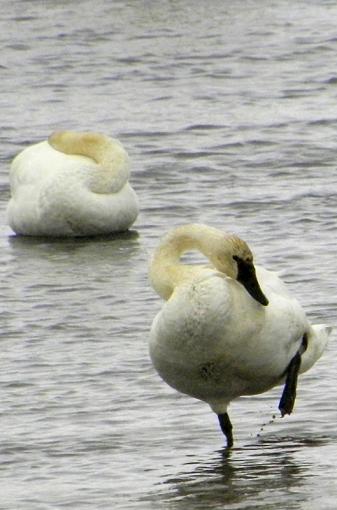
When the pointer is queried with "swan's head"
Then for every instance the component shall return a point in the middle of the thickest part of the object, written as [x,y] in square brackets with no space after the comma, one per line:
[99,147]
[233,257]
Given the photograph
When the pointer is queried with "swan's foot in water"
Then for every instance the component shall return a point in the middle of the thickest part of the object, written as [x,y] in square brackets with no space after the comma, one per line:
[226,428]
[288,397]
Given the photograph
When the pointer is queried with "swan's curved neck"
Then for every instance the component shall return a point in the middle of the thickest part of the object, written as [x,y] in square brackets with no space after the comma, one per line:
[166,269]
[110,156]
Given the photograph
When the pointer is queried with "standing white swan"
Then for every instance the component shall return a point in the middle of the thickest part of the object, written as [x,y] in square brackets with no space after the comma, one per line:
[74,184]
[219,335]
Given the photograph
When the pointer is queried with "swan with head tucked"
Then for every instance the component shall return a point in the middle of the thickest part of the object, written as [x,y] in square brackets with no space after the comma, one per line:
[74,184]
[227,329]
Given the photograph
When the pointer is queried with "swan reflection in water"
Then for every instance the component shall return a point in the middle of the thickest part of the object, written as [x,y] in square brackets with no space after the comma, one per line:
[268,475]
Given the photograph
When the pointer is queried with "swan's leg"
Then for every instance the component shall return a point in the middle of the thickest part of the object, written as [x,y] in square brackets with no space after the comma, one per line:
[226,428]
[289,391]
[288,397]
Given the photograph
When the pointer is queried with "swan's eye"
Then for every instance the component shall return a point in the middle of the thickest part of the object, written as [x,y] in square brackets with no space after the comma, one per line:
[235,257]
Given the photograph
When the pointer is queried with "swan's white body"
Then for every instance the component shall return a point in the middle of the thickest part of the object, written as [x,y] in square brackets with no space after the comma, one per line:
[74,184]
[212,340]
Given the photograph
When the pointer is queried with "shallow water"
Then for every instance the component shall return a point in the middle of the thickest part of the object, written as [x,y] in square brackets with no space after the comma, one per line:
[229,115]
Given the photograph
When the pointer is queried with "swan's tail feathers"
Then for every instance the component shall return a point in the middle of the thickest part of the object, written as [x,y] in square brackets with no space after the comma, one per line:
[318,337]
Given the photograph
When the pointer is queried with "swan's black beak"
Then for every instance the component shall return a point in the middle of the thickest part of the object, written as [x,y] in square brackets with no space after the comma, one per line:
[247,277]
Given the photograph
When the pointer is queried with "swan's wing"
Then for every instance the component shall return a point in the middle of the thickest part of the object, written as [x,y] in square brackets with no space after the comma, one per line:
[270,282]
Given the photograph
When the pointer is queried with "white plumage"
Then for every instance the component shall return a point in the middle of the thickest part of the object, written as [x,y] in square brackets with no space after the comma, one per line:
[224,331]
[74,184]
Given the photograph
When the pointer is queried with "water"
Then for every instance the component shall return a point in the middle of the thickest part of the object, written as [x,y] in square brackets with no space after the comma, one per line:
[228,112]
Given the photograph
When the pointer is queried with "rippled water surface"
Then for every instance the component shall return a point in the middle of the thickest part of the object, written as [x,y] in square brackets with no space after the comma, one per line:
[228,111]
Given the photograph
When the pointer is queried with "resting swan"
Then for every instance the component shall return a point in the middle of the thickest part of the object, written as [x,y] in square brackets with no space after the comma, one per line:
[74,184]
[220,335]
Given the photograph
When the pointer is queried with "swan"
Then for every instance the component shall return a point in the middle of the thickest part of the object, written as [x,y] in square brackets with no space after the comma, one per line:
[229,328]
[73,184]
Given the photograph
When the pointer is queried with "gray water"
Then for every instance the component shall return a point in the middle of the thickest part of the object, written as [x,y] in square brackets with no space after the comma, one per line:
[229,112]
